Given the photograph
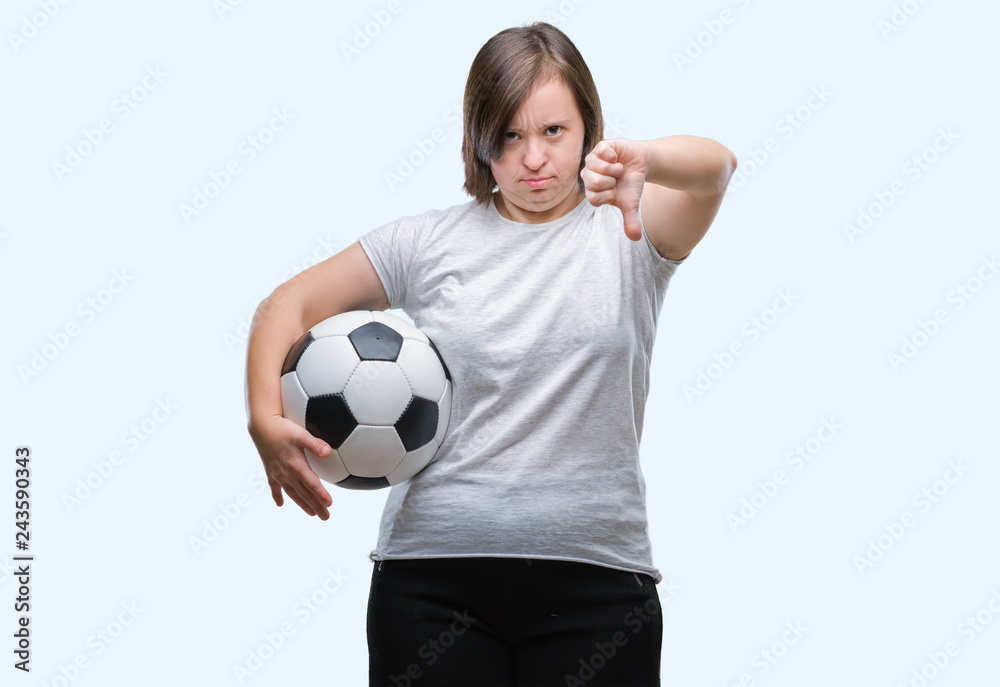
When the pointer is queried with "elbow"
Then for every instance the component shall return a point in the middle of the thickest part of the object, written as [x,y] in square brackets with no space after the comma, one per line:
[731,160]
[274,300]
[727,168]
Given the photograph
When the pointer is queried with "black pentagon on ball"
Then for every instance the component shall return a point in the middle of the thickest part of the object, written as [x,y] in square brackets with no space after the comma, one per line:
[418,423]
[355,482]
[447,374]
[295,352]
[329,418]
[375,341]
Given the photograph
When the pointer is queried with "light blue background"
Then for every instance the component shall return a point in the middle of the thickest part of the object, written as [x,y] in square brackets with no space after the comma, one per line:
[177,330]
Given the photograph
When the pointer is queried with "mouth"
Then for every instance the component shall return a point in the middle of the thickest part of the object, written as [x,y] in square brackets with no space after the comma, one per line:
[537,182]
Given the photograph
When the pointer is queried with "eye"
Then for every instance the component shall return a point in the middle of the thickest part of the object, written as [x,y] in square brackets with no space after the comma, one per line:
[555,126]
[509,133]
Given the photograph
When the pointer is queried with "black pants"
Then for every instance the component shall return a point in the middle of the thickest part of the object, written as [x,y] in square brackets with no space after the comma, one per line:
[505,622]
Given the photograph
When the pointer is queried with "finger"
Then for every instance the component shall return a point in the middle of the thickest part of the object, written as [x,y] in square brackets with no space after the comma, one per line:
[302,504]
[596,182]
[299,500]
[313,486]
[613,169]
[596,165]
[608,152]
[311,497]
[308,477]
[602,165]
[599,182]
[275,490]
[601,197]
[305,440]
[319,447]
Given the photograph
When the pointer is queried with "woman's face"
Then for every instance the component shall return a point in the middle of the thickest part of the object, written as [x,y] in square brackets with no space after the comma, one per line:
[545,140]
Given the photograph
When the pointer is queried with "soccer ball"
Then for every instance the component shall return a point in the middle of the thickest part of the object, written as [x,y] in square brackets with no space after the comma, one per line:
[375,388]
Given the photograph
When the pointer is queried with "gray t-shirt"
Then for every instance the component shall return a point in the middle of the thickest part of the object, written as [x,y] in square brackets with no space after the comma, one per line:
[547,331]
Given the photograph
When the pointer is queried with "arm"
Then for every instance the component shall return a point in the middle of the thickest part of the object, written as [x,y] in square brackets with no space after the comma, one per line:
[678,181]
[686,179]
[344,282]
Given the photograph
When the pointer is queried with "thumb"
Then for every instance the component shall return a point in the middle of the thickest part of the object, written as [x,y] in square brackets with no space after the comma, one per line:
[319,447]
[633,226]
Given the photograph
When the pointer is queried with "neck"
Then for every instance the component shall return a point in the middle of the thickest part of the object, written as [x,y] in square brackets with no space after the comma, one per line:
[519,214]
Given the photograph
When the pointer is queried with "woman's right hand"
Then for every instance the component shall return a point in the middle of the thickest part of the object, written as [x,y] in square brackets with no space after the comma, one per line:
[280,443]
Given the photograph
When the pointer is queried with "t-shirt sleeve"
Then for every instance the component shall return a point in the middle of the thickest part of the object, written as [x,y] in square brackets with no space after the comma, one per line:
[660,264]
[391,248]
[661,267]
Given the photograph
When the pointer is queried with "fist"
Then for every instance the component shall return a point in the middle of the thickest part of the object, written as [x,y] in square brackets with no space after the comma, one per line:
[615,173]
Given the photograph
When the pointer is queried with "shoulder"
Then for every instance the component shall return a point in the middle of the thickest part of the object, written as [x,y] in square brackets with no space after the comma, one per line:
[458,211]
[422,222]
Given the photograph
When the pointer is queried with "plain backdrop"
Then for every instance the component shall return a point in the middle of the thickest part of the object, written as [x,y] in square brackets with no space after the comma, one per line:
[852,268]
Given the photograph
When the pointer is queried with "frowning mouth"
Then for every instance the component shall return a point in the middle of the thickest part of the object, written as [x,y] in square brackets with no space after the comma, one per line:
[537,183]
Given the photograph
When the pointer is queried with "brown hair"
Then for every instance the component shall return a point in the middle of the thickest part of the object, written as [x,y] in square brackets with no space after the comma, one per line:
[505,71]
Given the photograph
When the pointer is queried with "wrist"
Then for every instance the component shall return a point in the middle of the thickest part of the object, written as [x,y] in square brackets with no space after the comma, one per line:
[258,421]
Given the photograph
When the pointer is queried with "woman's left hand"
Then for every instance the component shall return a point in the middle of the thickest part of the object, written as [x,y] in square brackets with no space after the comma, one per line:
[615,172]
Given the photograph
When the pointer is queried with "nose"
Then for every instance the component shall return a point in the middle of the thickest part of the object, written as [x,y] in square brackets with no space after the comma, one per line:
[534,154]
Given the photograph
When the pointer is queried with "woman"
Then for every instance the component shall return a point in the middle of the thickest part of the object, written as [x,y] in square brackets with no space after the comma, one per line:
[520,555]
